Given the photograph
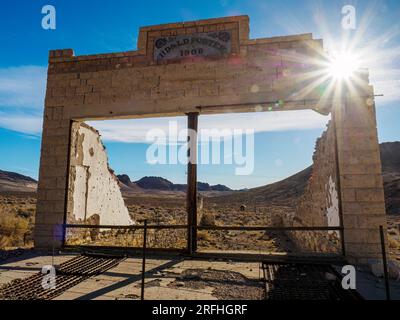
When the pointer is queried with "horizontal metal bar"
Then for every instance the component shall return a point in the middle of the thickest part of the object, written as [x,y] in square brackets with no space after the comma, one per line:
[131,227]
[261,228]
[233,228]
[302,257]
[98,248]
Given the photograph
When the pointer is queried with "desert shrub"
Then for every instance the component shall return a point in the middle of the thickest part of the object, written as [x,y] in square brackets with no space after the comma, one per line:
[203,236]
[207,219]
[393,243]
[14,231]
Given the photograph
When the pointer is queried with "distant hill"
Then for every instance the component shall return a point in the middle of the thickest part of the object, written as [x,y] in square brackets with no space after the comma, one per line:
[155,183]
[287,191]
[127,185]
[284,192]
[390,157]
[15,182]
[162,184]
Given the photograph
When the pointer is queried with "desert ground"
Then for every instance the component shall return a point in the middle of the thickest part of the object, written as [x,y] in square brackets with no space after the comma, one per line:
[263,206]
[18,212]
[169,209]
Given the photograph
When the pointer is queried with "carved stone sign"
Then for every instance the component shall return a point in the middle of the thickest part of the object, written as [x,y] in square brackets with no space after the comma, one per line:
[212,44]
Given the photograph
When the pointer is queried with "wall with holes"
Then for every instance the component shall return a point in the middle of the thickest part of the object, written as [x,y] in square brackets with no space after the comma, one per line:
[93,187]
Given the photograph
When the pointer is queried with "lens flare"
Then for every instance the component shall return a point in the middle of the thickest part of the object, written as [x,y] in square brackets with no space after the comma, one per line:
[343,65]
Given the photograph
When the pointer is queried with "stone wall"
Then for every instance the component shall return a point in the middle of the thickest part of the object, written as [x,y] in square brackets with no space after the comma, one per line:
[93,187]
[319,205]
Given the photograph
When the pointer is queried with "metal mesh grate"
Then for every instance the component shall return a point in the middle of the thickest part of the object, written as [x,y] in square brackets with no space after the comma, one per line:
[68,274]
[294,281]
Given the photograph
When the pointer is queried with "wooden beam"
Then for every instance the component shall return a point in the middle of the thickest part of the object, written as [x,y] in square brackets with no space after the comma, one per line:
[191,193]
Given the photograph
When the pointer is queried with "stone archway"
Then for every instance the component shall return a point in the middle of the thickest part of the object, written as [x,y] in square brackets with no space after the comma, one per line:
[224,71]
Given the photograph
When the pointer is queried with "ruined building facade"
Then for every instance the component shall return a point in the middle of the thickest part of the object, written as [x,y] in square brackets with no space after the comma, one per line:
[225,72]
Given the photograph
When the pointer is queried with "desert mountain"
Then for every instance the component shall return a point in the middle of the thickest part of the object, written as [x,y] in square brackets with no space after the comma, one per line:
[390,157]
[284,192]
[15,182]
[162,184]
[127,185]
[287,191]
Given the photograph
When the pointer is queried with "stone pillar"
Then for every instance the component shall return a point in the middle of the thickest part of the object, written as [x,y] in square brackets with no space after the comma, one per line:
[51,192]
[363,203]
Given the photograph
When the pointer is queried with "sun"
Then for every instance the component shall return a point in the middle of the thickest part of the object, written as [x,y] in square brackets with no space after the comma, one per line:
[343,65]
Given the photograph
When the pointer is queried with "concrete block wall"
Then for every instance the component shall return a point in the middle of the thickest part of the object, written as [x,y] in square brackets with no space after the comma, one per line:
[132,83]
[50,209]
[360,168]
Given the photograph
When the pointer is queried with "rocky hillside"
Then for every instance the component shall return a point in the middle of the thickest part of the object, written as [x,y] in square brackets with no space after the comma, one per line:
[284,192]
[127,185]
[287,191]
[15,182]
[390,155]
[162,184]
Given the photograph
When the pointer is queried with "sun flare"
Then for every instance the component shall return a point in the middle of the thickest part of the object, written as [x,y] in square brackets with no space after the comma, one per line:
[343,65]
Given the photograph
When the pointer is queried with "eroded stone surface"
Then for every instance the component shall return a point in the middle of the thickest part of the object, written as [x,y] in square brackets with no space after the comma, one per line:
[94,193]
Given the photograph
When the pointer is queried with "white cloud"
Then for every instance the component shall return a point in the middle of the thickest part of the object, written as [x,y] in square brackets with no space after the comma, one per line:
[386,82]
[24,123]
[22,91]
[134,131]
[23,87]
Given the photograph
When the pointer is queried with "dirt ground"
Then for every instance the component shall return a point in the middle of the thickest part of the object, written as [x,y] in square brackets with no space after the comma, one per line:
[166,278]
[169,210]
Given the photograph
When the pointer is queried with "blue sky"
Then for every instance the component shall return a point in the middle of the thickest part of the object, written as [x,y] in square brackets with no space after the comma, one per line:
[282,146]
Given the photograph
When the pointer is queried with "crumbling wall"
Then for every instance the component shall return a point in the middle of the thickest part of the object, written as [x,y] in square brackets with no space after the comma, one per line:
[319,205]
[93,187]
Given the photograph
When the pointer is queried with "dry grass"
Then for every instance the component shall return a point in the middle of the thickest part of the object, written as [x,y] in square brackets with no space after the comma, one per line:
[207,219]
[203,236]
[394,236]
[16,221]
[172,211]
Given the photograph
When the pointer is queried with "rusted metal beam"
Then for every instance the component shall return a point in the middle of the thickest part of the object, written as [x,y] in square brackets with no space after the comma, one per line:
[263,228]
[123,227]
[184,226]
[384,260]
[143,259]
[191,193]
